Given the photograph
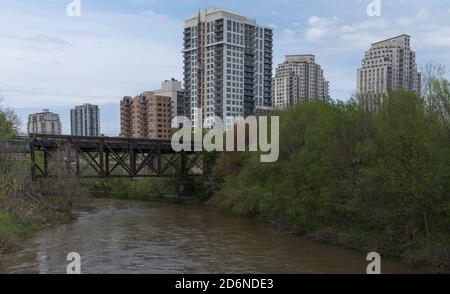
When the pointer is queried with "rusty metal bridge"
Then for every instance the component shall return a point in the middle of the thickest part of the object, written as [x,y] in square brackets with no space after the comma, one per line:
[104,157]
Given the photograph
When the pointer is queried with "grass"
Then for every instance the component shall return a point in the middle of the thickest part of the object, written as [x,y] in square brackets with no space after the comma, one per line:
[12,231]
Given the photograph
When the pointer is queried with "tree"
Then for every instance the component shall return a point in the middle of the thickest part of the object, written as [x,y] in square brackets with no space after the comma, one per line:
[9,121]
[436,94]
[431,71]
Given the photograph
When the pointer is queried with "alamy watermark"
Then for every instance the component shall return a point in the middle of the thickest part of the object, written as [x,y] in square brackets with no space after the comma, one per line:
[374,8]
[74,8]
[374,267]
[74,267]
[239,134]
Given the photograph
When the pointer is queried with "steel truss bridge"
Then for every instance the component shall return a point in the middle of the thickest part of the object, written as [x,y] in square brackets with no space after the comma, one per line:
[105,157]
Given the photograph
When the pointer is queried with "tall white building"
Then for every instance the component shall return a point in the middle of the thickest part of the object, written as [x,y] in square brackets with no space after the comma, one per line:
[85,120]
[227,65]
[298,78]
[172,88]
[387,66]
[45,122]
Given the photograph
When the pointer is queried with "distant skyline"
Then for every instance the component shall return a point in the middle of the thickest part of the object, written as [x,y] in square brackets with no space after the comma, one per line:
[117,48]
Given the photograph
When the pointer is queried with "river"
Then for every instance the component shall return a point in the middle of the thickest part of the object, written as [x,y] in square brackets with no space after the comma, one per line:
[134,237]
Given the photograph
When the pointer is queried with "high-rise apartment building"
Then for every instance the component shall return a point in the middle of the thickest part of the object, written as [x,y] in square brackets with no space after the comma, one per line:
[85,120]
[172,88]
[45,122]
[227,65]
[387,66]
[146,116]
[298,78]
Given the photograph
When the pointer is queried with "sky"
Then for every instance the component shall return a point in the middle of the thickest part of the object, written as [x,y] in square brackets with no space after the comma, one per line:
[115,48]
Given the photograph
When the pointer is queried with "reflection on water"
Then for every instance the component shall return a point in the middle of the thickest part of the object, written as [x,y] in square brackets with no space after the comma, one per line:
[134,237]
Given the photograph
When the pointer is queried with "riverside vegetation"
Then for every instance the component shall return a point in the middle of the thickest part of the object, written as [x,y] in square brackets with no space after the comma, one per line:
[27,206]
[372,181]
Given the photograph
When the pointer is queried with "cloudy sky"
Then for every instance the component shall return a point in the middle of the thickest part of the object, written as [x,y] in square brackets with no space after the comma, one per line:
[123,47]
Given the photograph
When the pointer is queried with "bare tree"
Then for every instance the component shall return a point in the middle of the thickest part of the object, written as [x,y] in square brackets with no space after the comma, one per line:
[10,116]
[431,71]
[27,200]
[63,192]
[13,118]
[436,92]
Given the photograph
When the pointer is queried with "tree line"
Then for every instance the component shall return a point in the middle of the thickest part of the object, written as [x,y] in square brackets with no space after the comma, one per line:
[371,180]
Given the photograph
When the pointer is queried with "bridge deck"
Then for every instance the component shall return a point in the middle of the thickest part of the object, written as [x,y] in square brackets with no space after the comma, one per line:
[91,144]
[15,146]
[89,157]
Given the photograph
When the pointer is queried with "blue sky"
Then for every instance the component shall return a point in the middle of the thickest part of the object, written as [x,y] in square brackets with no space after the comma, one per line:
[123,47]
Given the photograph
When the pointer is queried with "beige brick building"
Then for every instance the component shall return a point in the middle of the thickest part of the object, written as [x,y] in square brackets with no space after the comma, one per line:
[146,116]
[44,122]
[298,78]
[388,65]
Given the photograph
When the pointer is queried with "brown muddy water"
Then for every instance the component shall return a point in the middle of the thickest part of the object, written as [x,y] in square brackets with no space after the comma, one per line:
[134,237]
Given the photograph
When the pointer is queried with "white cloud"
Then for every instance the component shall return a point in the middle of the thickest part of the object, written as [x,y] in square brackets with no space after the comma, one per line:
[95,58]
[41,42]
[48,59]
[149,12]
[339,42]
[316,21]
[375,24]
[143,2]
[315,34]
[423,15]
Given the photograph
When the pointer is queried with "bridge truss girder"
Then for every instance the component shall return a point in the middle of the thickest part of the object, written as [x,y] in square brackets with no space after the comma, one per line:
[110,158]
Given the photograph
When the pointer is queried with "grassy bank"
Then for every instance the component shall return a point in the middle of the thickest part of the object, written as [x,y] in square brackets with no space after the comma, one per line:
[364,180]
[148,189]
[28,206]
[13,231]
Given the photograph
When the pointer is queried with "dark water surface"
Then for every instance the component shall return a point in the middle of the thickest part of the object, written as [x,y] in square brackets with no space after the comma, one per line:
[135,237]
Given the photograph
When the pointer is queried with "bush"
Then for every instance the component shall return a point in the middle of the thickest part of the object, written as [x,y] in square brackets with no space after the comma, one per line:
[380,179]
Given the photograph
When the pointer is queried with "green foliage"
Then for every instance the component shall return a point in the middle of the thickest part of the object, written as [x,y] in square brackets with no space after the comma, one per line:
[9,231]
[14,230]
[27,206]
[141,189]
[380,179]
[7,129]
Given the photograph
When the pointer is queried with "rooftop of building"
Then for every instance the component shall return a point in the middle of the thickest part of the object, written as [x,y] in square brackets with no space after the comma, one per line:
[393,38]
[299,55]
[44,111]
[300,58]
[171,80]
[212,10]
[86,104]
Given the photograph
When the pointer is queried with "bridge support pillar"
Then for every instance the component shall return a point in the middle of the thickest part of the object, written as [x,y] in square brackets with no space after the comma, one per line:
[107,163]
[102,163]
[184,171]
[132,161]
[46,163]
[33,161]
[77,163]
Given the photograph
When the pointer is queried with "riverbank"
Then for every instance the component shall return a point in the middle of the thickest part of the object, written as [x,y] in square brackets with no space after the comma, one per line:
[135,237]
[13,232]
[372,181]
[431,256]
[27,206]
[362,241]
[146,189]
[369,181]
